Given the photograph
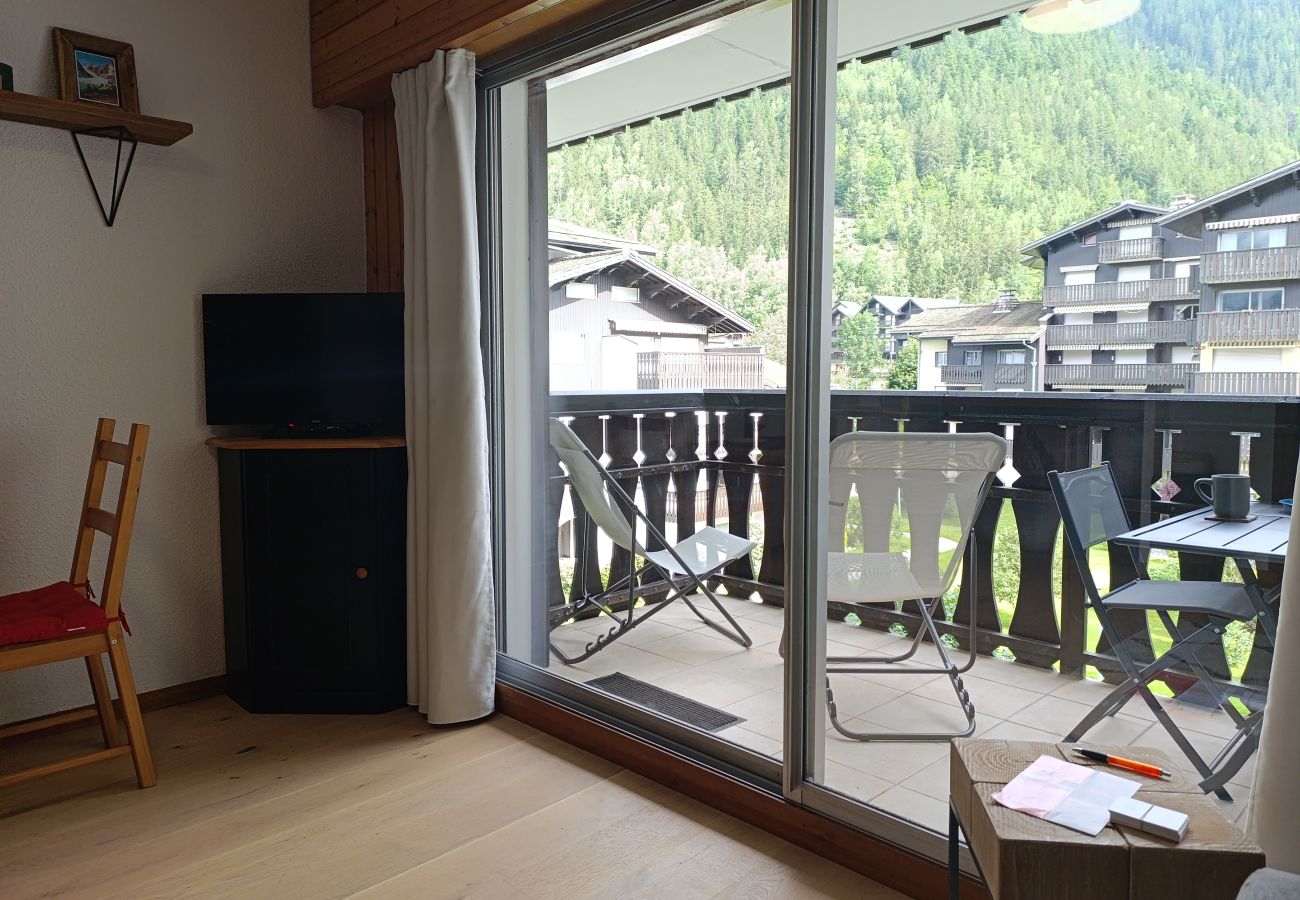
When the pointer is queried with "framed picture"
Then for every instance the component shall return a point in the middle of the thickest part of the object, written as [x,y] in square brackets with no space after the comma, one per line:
[97,70]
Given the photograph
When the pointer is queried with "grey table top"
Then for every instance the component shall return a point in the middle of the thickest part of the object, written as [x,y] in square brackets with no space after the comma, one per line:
[1264,539]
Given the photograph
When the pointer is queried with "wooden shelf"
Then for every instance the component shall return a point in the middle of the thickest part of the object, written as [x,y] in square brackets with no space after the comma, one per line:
[70,116]
[244,442]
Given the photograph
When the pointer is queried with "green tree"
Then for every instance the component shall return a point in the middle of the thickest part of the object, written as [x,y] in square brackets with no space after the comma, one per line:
[862,351]
[902,374]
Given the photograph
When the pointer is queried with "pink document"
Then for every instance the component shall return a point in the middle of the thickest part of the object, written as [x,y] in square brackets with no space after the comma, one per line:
[1077,797]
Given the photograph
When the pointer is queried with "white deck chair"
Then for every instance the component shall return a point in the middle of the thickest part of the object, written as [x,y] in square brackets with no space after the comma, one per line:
[684,567]
[919,496]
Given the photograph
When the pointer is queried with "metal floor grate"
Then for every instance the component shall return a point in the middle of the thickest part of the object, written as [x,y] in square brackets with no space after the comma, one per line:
[675,706]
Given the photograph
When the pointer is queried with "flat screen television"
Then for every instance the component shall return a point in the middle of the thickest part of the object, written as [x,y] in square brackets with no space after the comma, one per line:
[304,362]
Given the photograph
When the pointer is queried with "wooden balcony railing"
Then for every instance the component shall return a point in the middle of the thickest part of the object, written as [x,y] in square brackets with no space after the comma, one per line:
[1271,264]
[1010,374]
[731,445]
[961,374]
[1131,250]
[1260,326]
[1119,375]
[1247,384]
[1121,334]
[682,371]
[1151,290]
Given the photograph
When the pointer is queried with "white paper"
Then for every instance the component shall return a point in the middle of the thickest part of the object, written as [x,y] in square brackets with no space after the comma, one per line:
[1077,797]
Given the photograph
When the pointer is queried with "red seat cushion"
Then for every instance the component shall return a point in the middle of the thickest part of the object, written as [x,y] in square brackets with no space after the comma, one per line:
[55,611]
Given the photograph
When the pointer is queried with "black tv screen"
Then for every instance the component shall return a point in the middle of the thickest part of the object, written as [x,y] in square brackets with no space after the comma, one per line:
[281,359]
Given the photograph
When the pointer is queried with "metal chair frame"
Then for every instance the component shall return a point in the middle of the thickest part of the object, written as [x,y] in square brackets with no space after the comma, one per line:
[679,587]
[1183,649]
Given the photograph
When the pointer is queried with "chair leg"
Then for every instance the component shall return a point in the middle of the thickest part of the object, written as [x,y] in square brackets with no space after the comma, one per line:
[144,771]
[103,700]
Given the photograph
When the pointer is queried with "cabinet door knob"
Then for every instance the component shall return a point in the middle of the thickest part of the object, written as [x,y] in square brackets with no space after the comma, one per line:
[363,573]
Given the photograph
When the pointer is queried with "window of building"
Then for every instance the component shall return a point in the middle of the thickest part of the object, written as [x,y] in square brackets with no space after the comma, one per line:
[1088,277]
[580,290]
[1134,232]
[621,294]
[1252,239]
[1240,301]
[1089,240]
[1011,357]
[972,357]
[941,358]
[1103,357]
[1105,318]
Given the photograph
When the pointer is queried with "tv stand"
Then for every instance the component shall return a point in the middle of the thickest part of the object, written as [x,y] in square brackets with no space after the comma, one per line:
[319,430]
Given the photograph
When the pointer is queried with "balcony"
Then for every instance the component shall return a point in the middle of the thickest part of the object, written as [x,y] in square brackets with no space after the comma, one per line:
[1028,601]
[1252,328]
[1090,375]
[961,374]
[1271,264]
[1247,384]
[1121,293]
[1132,250]
[1107,335]
[720,370]
[1010,374]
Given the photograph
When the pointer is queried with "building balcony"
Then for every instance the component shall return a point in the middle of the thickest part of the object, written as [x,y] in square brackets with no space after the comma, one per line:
[1271,264]
[1121,293]
[1107,335]
[1093,375]
[1132,250]
[1248,329]
[961,374]
[1037,615]
[1247,384]
[682,371]
[1010,374]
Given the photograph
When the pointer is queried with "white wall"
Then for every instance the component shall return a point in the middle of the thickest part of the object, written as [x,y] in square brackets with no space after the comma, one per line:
[265,195]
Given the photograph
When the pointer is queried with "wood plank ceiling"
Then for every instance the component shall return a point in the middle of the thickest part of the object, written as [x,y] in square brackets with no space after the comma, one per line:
[358,45]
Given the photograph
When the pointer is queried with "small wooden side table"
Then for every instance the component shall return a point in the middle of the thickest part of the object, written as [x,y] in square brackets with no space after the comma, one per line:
[1026,858]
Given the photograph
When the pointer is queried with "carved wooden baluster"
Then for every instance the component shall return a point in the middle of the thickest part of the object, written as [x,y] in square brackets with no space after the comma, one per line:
[586,563]
[618,457]
[652,447]
[739,486]
[771,482]
[555,492]
[1037,524]
[984,532]
[684,434]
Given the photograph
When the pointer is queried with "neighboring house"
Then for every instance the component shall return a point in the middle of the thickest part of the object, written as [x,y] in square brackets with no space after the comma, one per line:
[1123,290]
[889,312]
[619,322]
[991,347]
[1249,322]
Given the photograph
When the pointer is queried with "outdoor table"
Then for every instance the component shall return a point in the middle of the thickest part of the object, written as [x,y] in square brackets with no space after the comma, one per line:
[1261,540]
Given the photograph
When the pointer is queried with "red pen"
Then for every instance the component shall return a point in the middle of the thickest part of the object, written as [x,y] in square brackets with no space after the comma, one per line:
[1119,762]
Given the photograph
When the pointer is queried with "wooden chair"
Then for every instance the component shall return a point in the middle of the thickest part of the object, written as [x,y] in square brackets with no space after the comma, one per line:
[62,621]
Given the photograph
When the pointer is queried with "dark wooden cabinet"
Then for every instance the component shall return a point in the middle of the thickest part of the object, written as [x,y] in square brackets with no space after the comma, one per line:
[313,550]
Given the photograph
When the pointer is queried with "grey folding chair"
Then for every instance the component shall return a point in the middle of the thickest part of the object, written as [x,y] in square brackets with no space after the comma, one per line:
[684,567]
[1093,513]
[919,495]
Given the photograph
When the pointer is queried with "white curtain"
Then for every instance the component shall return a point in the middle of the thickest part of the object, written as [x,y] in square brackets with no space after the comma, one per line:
[450,615]
[1275,809]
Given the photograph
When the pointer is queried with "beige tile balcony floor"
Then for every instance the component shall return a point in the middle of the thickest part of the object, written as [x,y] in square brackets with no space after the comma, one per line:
[677,652]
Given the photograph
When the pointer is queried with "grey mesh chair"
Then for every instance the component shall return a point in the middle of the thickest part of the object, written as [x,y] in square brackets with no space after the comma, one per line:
[683,567]
[919,495]
[1093,513]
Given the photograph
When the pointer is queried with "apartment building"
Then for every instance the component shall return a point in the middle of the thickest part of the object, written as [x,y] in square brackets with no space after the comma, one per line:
[1248,327]
[978,347]
[1123,290]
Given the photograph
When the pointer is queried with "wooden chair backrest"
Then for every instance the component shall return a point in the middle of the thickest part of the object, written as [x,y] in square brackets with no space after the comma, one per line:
[117,524]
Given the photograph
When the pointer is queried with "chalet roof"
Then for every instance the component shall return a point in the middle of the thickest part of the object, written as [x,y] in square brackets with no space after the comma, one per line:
[895,304]
[1123,206]
[701,309]
[583,239]
[982,324]
[1191,219]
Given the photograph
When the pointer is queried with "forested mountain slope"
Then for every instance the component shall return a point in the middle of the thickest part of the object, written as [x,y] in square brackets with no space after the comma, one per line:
[951,156]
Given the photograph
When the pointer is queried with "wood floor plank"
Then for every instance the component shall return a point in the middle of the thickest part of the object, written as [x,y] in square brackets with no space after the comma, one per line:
[373,807]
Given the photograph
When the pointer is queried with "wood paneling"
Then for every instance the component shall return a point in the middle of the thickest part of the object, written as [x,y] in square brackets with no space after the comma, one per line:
[357,45]
[383,191]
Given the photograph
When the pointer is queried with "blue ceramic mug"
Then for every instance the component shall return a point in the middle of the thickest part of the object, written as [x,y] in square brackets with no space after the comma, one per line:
[1228,494]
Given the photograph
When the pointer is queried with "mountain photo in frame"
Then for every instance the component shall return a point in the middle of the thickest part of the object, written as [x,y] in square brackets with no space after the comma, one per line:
[96,70]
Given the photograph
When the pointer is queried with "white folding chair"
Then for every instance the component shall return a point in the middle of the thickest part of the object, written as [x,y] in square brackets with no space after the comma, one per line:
[918,495]
[684,567]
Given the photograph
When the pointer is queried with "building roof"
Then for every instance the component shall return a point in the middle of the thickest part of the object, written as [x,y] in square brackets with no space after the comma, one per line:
[695,305]
[1106,214]
[982,324]
[895,304]
[1190,220]
[571,236]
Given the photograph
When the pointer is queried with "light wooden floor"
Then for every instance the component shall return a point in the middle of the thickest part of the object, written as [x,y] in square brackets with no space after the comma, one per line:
[317,807]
